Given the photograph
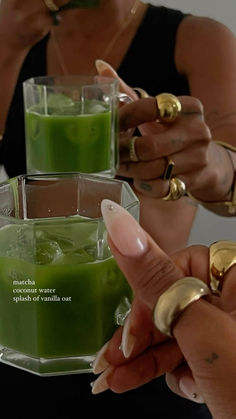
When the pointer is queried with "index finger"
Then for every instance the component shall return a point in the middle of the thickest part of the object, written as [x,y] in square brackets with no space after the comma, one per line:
[146,110]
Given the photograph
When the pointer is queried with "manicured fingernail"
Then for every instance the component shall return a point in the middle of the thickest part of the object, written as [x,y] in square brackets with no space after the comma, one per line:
[101,384]
[103,65]
[128,341]
[100,362]
[189,388]
[127,235]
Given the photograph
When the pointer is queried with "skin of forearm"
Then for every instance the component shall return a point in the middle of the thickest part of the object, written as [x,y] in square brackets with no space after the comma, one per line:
[210,353]
[228,178]
[219,179]
[10,65]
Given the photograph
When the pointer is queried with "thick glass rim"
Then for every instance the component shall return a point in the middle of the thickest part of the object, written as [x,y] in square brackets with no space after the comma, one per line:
[134,201]
[71,80]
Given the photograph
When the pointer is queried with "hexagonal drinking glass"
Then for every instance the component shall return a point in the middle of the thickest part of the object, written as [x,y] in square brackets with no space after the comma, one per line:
[62,294]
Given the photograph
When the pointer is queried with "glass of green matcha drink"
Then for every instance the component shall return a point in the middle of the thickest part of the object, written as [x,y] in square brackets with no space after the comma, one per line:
[71,124]
[62,295]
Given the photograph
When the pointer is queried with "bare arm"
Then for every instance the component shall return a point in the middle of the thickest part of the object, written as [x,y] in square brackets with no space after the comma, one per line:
[206,55]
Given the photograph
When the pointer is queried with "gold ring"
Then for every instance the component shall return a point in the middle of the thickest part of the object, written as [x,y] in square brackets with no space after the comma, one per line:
[169,107]
[141,92]
[176,191]
[175,300]
[51,5]
[169,169]
[132,153]
[222,256]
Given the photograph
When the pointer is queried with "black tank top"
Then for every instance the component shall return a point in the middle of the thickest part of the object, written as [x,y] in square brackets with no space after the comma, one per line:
[148,63]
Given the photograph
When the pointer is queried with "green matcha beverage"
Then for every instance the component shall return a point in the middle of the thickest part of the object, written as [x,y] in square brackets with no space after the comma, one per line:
[62,295]
[71,124]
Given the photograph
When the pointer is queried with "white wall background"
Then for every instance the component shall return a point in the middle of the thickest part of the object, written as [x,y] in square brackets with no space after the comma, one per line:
[208,227]
[222,10]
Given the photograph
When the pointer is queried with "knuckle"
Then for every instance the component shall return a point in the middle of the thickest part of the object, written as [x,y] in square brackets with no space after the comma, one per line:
[198,105]
[199,131]
[155,274]
[150,147]
[192,105]
[205,131]
[203,158]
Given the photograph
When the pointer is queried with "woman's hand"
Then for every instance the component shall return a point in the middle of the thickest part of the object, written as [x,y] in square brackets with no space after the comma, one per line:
[24,22]
[205,167]
[201,359]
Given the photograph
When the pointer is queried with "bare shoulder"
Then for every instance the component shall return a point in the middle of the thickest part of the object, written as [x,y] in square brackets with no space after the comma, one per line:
[203,39]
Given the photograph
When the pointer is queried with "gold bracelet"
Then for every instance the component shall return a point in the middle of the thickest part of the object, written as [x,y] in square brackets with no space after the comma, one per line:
[175,300]
[222,256]
[226,145]
[225,208]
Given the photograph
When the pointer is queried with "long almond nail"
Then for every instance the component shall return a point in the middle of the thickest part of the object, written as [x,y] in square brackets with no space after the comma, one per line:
[189,388]
[103,65]
[127,235]
[128,341]
[100,362]
[101,384]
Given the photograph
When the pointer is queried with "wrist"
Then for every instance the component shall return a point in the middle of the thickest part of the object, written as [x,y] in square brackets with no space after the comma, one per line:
[222,203]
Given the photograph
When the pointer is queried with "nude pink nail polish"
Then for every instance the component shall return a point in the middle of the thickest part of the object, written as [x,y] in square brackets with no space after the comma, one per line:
[127,235]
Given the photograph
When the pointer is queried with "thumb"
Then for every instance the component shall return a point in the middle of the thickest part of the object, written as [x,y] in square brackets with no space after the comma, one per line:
[147,268]
[106,70]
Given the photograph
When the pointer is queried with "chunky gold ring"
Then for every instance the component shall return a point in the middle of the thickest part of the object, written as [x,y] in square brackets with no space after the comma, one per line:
[222,256]
[51,5]
[132,153]
[175,300]
[168,169]
[169,107]
[141,92]
[176,191]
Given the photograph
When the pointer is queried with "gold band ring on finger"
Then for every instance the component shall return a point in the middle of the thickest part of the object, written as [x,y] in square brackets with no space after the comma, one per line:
[51,5]
[168,169]
[169,107]
[222,256]
[176,191]
[132,152]
[175,300]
